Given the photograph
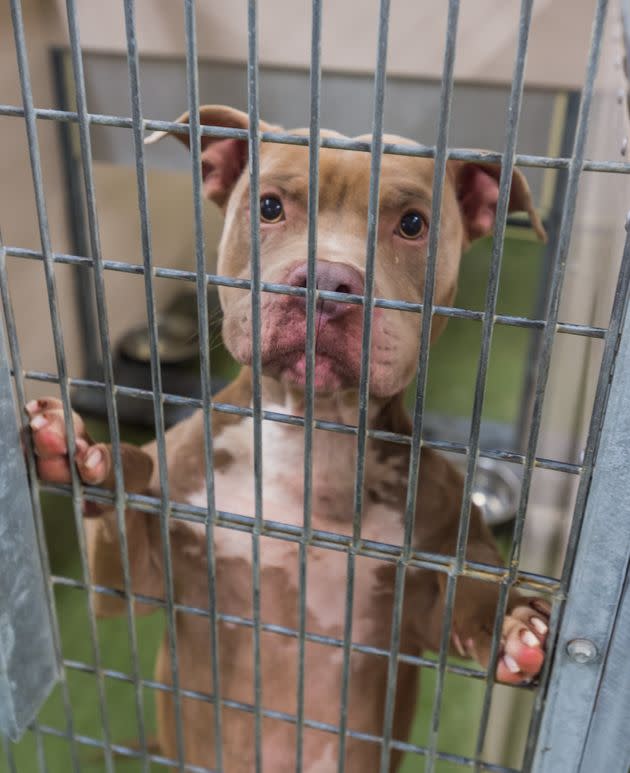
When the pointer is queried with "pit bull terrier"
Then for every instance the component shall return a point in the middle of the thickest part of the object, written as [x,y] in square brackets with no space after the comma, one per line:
[468,212]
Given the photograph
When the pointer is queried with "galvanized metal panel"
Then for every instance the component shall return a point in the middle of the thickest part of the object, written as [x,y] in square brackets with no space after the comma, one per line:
[608,742]
[595,591]
[28,667]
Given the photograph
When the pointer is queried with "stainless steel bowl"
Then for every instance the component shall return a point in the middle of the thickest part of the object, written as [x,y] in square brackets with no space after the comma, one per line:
[495,490]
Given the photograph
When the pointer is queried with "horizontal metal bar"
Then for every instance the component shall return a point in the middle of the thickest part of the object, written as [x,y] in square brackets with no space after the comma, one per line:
[249,708]
[158,603]
[414,660]
[281,289]
[339,143]
[119,749]
[446,446]
[333,541]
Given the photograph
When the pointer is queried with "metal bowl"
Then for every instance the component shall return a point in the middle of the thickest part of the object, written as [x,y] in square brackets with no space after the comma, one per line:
[495,490]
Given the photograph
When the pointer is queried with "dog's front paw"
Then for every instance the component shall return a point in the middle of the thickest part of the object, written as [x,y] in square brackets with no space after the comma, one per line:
[51,445]
[523,642]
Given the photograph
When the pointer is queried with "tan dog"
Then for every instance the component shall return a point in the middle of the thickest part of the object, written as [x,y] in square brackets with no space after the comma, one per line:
[468,208]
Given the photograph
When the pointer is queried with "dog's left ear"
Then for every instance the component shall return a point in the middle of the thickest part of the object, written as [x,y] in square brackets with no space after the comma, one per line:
[477,190]
[223,159]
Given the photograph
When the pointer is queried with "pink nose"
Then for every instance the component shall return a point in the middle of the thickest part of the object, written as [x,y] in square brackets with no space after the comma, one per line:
[334,277]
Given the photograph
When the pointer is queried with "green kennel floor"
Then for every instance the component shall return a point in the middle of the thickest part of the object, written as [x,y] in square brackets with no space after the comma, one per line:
[453,365]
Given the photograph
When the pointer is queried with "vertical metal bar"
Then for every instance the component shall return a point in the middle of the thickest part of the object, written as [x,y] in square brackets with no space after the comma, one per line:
[18,371]
[597,568]
[42,765]
[309,417]
[8,753]
[156,375]
[76,220]
[593,443]
[192,74]
[254,208]
[364,381]
[507,167]
[108,370]
[544,279]
[421,379]
[42,216]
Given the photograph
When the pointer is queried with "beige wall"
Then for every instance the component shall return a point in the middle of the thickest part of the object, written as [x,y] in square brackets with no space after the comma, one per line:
[485,52]
[18,218]
[171,213]
[486,45]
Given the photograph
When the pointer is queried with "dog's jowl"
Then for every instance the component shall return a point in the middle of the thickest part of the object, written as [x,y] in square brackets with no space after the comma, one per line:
[468,211]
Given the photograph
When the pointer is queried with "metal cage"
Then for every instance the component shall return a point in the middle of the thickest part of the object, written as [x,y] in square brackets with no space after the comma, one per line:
[581,709]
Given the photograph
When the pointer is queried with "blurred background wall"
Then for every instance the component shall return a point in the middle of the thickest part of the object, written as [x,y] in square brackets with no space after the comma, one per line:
[486,43]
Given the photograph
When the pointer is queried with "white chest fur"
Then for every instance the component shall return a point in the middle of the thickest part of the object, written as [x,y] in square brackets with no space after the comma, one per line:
[333,475]
[333,472]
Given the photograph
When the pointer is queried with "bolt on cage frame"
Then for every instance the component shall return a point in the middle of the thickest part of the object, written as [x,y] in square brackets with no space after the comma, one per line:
[574,700]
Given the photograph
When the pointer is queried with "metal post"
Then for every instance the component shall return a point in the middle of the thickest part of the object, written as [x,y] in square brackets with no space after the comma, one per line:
[309,415]
[608,743]
[253,145]
[133,61]
[588,644]
[28,666]
[364,380]
[204,363]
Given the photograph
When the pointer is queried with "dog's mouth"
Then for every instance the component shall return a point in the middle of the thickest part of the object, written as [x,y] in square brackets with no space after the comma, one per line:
[337,344]
[333,370]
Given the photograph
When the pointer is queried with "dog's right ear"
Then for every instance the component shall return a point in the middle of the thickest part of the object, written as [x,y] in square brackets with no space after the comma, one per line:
[222,160]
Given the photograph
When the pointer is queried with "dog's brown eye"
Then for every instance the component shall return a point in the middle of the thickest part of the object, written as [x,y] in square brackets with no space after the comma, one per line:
[271,210]
[412,225]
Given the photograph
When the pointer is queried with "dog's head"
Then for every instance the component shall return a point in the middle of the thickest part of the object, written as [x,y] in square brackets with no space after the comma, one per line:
[468,212]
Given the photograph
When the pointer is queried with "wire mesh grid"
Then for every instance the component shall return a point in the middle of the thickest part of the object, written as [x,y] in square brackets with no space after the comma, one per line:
[166,511]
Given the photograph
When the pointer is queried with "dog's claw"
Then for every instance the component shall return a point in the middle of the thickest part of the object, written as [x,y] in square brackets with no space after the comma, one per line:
[511,665]
[46,421]
[524,637]
[540,627]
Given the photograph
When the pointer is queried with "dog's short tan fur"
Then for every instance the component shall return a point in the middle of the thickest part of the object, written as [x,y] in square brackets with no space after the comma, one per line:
[406,183]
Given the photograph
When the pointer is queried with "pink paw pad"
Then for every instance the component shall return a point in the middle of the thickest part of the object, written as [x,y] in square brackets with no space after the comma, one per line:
[524,637]
[48,430]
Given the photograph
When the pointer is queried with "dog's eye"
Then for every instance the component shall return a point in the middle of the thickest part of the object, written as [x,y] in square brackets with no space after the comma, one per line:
[412,225]
[271,210]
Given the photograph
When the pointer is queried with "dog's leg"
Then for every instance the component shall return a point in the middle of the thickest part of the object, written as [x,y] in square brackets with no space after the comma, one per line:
[525,626]
[95,468]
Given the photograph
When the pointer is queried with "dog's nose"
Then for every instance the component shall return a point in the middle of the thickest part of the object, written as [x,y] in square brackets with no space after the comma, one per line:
[334,277]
